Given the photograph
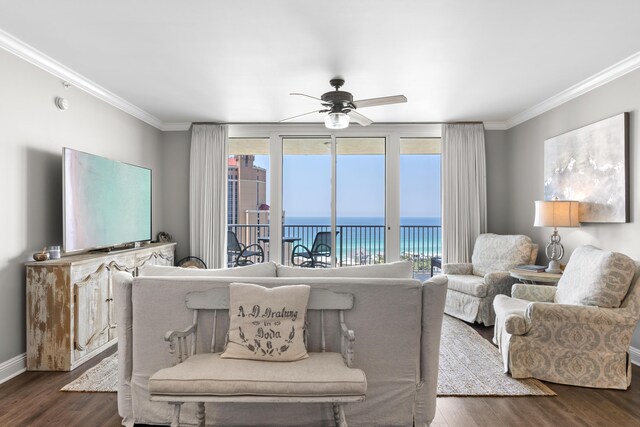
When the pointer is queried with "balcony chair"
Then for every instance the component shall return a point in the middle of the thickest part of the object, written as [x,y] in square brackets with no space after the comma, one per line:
[579,332]
[191,262]
[239,254]
[473,286]
[312,258]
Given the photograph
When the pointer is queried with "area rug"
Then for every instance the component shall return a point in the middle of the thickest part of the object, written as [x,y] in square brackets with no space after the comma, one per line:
[471,366]
[101,378]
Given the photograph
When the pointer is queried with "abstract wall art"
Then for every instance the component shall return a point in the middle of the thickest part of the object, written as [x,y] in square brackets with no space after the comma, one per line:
[590,165]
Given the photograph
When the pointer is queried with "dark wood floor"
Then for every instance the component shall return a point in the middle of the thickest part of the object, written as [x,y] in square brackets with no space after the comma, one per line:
[34,399]
[573,406]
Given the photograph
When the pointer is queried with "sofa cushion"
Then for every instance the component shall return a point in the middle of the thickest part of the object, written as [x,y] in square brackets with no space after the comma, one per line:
[322,374]
[393,270]
[595,277]
[265,269]
[468,284]
[494,252]
[267,323]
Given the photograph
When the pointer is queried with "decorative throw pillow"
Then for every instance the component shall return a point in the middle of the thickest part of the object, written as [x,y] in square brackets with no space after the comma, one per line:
[267,324]
[595,277]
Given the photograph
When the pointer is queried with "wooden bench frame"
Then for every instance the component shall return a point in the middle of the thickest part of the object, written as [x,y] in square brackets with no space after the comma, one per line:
[218,299]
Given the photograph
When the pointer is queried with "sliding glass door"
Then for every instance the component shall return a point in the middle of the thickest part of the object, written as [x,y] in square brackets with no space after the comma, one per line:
[420,206]
[306,201]
[360,201]
[357,188]
[352,197]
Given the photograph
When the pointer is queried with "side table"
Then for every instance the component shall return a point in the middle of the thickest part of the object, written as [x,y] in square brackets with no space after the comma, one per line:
[535,278]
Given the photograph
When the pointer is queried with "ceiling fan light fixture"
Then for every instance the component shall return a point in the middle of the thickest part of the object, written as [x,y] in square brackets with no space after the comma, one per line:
[342,108]
[337,120]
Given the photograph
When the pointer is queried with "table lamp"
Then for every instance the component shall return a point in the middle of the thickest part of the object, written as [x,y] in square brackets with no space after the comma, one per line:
[556,213]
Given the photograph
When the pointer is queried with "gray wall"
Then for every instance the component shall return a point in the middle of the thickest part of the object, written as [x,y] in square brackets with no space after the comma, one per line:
[32,134]
[176,147]
[497,153]
[525,168]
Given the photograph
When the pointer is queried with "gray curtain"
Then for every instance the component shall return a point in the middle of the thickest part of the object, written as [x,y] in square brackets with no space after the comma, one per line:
[464,190]
[208,194]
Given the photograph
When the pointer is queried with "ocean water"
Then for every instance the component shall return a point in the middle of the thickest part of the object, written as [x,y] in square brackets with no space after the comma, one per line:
[360,220]
[362,238]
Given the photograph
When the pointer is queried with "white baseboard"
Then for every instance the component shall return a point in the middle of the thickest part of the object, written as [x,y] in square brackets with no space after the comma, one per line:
[14,367]
[635,355]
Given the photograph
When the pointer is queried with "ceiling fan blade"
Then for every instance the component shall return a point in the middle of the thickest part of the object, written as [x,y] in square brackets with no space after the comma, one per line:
[359,118]
[308,96]
[305,114]
[397,99]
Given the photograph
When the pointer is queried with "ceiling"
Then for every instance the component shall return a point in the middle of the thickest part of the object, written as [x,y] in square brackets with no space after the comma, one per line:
[207,61]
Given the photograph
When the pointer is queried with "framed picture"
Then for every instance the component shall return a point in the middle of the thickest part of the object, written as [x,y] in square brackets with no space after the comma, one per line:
[590,165]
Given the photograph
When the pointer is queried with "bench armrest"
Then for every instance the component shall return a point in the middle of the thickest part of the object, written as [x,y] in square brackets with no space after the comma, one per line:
[347,338]
[180,338]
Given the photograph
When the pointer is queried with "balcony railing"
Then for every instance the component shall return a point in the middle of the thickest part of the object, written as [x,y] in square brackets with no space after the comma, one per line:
[355,244]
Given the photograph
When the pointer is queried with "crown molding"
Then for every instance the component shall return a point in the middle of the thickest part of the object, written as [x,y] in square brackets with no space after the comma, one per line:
[605,76]
[50,65]
[495,126]
[174,127]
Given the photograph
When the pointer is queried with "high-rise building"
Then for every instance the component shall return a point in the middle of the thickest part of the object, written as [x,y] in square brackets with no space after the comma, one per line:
[247,191]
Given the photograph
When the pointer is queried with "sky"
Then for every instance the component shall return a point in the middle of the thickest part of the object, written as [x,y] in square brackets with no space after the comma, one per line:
[360,185]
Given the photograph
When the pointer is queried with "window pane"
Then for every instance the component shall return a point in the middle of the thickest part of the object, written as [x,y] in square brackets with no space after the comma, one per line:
[420,205]
[360,200]
[306,198]
[248,196]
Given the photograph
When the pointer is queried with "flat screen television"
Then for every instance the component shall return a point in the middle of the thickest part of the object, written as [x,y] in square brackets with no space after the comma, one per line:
[106,203]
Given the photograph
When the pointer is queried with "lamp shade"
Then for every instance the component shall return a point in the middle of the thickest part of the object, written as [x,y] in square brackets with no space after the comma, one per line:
[557,213]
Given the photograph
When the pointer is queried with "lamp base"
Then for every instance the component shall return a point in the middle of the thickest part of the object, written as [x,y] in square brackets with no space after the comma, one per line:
[554,267]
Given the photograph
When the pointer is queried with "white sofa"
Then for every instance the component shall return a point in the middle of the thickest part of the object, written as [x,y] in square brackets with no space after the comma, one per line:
[398,322]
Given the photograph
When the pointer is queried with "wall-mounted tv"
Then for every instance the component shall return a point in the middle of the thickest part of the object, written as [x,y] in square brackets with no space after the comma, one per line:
[106,203]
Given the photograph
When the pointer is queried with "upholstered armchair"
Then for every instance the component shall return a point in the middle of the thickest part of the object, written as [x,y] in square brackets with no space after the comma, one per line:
[578,333]
[473,286]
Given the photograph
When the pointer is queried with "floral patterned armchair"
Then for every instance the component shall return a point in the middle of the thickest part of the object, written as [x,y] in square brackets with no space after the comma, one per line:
[578,333]
[473,286]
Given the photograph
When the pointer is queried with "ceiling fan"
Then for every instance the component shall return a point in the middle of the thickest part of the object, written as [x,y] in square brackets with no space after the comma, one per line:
[341,107]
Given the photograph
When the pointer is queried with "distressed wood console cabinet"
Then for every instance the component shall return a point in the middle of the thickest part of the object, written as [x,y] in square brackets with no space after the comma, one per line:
[70,307]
